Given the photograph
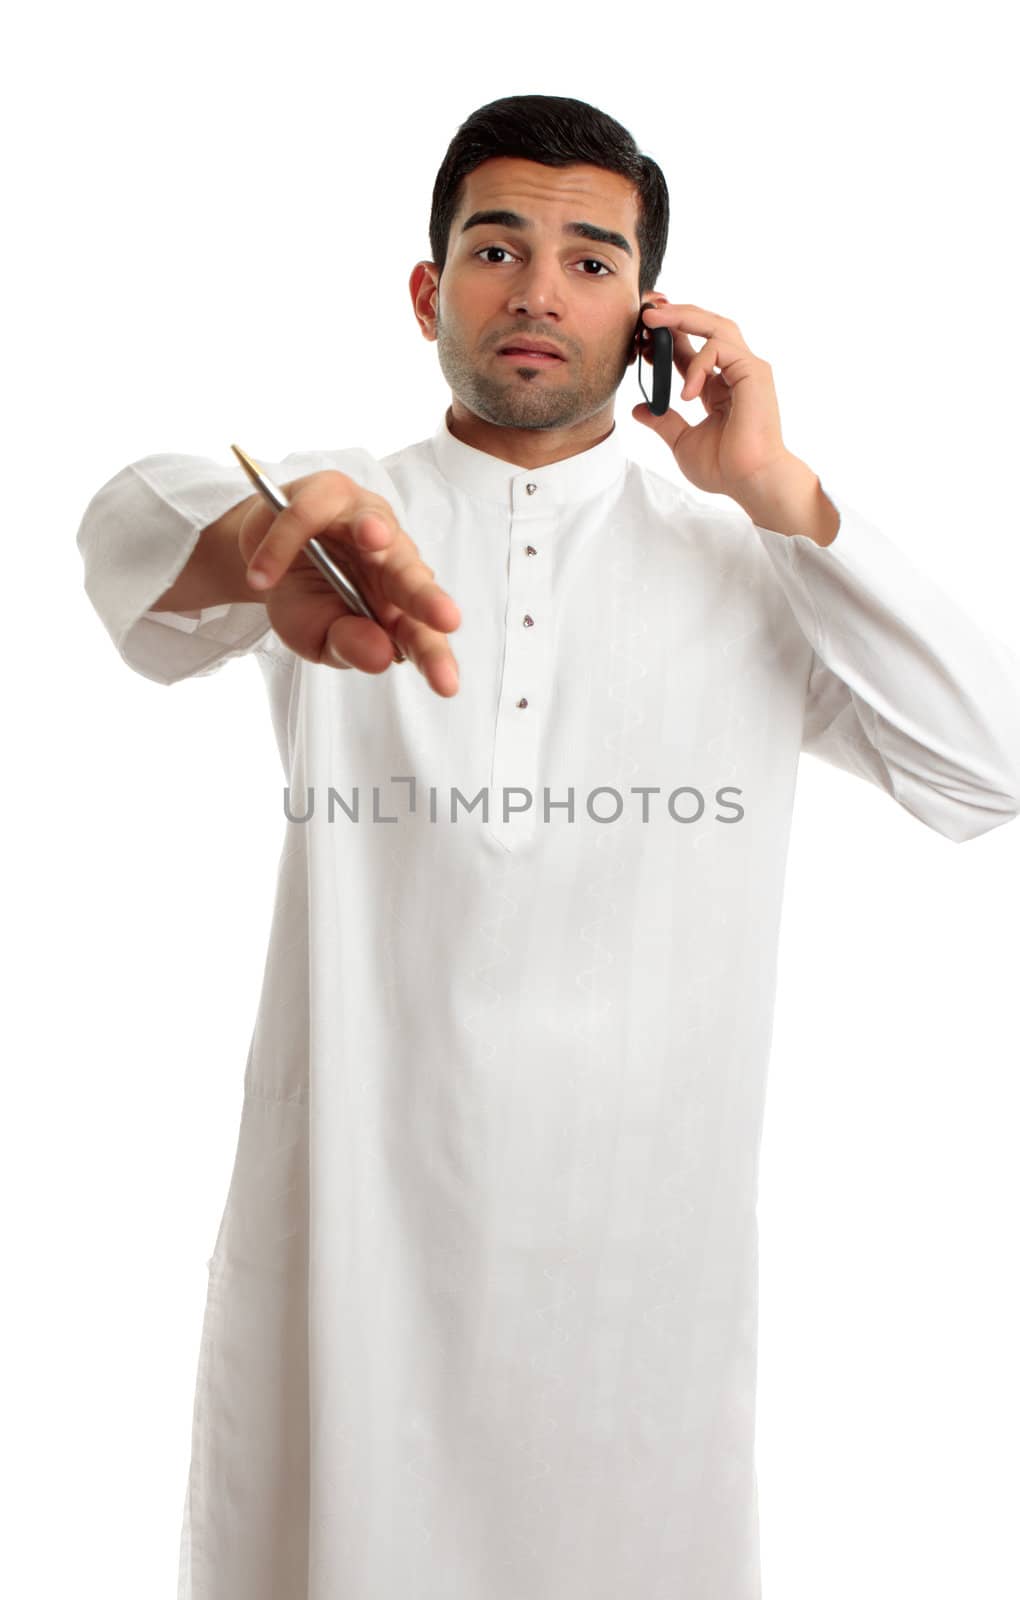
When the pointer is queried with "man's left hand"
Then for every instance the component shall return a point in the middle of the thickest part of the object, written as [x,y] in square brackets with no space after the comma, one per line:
[740,443]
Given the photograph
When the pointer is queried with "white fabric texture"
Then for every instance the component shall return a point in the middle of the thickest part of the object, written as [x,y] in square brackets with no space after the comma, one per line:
[482,1308]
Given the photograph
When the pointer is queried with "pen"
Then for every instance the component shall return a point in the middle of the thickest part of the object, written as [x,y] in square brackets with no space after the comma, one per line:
[326,563]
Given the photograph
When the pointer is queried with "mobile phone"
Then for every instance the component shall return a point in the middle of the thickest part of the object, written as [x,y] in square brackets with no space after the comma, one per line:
[662,362]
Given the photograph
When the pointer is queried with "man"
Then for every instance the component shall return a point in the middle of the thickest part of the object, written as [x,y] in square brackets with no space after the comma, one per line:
[482,1312]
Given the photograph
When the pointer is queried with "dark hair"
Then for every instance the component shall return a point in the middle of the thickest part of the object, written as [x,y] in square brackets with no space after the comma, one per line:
[557,132]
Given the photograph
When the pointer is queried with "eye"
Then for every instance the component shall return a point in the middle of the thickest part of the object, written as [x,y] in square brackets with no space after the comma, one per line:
[588,261]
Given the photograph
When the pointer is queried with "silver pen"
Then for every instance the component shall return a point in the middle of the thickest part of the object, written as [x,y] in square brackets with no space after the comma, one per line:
[327,564]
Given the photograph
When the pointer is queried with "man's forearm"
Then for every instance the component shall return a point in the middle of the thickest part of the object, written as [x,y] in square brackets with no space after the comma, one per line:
[214,574]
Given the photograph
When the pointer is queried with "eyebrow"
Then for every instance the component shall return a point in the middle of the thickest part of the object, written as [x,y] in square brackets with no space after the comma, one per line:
[513,219]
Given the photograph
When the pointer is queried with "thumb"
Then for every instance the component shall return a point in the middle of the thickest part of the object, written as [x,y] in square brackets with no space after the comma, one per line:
[670,426]
[643,413]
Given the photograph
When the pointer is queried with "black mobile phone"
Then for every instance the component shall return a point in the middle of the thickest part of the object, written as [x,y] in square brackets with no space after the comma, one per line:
[661,340]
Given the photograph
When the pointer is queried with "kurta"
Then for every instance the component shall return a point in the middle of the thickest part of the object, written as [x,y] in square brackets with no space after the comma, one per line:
[481,1320]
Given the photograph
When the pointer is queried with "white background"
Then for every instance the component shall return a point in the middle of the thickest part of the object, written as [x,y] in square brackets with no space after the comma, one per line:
[215,213]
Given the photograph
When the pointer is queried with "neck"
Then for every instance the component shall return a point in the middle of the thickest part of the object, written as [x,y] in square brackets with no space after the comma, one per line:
[529,447]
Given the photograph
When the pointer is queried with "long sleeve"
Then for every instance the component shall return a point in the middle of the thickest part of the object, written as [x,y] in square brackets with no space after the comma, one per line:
[137,534]
[905,690]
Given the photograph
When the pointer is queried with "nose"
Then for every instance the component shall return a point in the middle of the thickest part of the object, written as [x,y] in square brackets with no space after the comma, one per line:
[537,289]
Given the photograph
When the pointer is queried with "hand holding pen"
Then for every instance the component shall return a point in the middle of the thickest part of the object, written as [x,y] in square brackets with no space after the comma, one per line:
[317,608]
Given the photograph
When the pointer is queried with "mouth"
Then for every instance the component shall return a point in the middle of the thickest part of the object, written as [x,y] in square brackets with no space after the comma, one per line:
[530,356]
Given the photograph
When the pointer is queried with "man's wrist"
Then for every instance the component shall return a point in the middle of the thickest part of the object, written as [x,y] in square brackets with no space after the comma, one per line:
[215,572]
[788,497]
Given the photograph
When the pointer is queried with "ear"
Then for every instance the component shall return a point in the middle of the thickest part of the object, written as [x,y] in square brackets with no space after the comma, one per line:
[424,290]
[640,331]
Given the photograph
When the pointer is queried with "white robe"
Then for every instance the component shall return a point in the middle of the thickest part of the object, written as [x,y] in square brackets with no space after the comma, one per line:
[482,1309]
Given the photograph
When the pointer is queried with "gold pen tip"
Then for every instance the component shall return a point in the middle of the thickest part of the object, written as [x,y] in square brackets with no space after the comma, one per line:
[252,469]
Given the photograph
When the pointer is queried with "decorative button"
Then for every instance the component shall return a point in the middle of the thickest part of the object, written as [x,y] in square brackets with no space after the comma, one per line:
[531,487]
[530,550]
[521,704]
[529,622]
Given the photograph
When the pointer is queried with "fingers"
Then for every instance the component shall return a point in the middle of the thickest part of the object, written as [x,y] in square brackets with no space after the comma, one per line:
[333,504]
[430,651]
[318,503]
[407,582]
[354,641]
[411,607]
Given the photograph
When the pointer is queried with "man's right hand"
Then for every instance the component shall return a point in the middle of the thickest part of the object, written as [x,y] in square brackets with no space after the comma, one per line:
[309,615]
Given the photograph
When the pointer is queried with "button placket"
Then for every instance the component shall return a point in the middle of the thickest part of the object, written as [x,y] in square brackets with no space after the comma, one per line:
[526,664]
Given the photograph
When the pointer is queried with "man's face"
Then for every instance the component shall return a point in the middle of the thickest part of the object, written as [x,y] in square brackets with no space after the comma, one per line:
[504,282]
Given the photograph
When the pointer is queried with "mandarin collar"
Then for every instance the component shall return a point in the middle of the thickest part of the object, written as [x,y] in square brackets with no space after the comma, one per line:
[577,478]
